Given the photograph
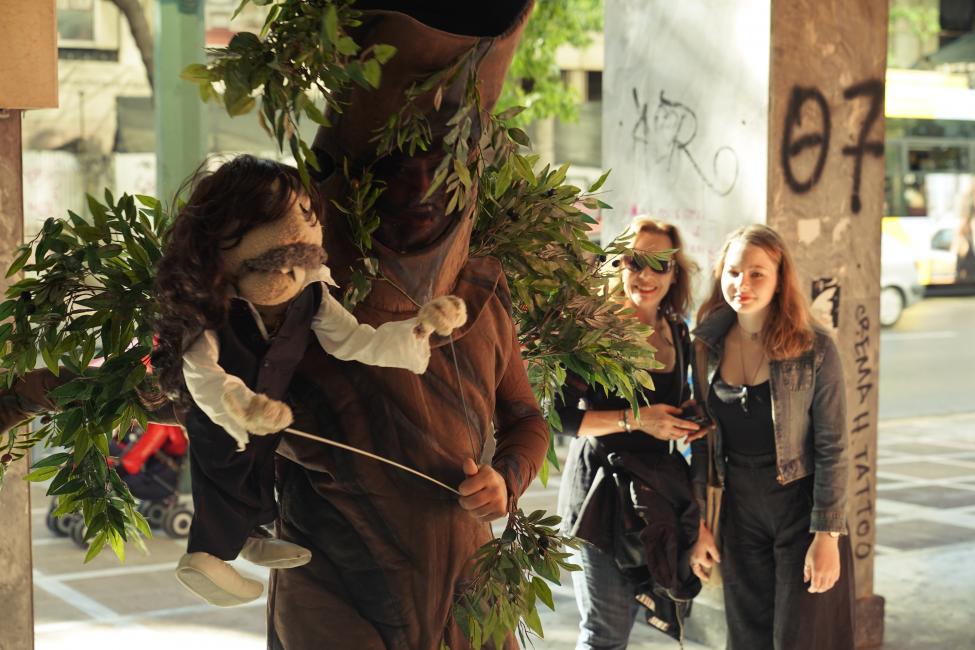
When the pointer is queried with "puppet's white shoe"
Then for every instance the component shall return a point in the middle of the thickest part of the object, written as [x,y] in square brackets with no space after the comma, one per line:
[260,548]
[215,581]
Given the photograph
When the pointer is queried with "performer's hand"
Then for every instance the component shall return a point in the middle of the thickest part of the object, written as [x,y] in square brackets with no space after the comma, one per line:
[822,567]
[483,493]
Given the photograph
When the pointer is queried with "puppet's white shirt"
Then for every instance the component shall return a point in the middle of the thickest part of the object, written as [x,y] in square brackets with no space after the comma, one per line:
[393,344]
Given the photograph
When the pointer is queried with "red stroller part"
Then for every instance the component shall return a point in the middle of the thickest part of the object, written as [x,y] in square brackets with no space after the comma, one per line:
[151,466]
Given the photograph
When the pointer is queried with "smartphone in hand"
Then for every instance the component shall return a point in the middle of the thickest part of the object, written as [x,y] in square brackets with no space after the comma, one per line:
[694,414]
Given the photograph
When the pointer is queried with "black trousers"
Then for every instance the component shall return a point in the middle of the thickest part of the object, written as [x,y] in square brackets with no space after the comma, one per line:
[233,491]
[764,539]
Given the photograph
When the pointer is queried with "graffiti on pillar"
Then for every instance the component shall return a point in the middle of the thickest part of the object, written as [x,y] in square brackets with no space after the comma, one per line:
[815,138]
[826,301]
[808,126]
[873,90]
[670,136]
[863,462]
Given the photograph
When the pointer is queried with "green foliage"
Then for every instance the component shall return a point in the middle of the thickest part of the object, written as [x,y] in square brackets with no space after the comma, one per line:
[534,79]
[303,54]
[920,20]
[562,290]
[510,575]
[87,294]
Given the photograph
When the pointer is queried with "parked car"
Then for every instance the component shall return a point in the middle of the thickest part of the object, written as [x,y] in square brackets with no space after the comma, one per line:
[900,286]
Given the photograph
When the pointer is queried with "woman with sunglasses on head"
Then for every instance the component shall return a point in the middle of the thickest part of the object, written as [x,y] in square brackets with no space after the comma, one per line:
[605,592]
[770,378]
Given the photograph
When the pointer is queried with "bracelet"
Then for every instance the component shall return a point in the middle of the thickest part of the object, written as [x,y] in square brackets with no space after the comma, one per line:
[624,423]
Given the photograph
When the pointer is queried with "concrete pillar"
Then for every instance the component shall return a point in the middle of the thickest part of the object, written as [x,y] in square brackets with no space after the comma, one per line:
[826,195]
[179,113]
[685,118]
[776,117]
[16,585]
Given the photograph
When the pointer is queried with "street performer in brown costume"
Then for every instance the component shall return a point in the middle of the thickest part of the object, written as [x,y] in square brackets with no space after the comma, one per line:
[389,550]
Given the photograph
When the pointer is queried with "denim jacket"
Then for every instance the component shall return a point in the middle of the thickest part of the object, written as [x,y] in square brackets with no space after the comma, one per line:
[808,415]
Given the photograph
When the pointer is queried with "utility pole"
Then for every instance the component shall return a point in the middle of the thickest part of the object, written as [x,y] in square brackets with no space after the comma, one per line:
[181,142]
[28,79]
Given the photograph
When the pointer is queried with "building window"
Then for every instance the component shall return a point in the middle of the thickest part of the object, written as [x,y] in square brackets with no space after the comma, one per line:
[594,86]
[76,20]
[87,24]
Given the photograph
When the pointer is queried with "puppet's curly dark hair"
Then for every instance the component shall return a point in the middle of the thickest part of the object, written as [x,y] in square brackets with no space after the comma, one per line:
[191,288]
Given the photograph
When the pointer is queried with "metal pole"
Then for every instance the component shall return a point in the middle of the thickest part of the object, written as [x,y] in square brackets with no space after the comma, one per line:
[179,114]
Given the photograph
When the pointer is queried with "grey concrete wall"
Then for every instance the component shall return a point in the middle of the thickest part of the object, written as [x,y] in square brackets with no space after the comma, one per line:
[826,192]
[685,106]
[16,586]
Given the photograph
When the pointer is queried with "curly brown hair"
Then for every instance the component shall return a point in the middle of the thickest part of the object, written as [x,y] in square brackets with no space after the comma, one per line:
[191,287]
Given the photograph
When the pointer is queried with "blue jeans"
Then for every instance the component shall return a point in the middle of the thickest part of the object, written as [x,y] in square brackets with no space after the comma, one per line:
[606,600]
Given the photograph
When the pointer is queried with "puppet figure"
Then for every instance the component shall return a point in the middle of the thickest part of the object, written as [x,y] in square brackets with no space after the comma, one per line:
[242,286]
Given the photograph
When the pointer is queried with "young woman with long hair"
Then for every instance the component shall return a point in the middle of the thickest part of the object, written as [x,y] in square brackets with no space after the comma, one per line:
[602,424]
[770,378]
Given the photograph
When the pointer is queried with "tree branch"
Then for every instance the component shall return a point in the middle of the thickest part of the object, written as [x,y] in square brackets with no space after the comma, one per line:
[139,26]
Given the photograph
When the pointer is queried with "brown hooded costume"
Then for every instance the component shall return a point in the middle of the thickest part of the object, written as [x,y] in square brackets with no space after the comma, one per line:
[389,550]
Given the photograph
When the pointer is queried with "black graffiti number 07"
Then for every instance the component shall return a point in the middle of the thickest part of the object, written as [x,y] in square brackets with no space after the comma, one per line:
[873,90]
[792,148]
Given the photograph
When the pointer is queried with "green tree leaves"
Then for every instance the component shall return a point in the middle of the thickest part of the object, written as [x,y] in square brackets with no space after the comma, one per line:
[511,575]
[303,56]
[87,292]
[534,79]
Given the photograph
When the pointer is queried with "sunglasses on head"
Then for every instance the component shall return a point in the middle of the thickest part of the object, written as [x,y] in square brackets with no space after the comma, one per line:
[637,265]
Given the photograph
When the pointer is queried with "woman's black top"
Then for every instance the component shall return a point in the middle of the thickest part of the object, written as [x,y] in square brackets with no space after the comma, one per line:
[745,416]
[583,461]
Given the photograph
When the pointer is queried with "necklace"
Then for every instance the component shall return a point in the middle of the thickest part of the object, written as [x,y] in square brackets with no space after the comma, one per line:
[661,326]
[749,380]
[752,335]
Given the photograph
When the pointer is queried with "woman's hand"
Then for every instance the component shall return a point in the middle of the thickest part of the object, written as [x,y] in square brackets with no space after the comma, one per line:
[704,554]
[483,493]
[702,430]
[658,420]
[822,566]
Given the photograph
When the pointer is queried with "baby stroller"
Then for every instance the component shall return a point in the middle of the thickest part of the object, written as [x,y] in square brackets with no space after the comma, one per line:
[151,465]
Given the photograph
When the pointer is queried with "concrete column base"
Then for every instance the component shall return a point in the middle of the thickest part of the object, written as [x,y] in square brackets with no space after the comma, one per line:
[870,622]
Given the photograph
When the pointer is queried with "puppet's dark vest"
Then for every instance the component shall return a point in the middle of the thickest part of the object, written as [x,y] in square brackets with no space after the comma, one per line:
[267,366]
[235,489]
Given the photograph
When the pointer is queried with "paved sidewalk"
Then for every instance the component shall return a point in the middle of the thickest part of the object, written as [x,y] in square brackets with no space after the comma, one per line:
[925,566]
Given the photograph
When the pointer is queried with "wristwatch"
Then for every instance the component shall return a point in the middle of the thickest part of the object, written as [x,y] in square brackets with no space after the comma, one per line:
[624,422]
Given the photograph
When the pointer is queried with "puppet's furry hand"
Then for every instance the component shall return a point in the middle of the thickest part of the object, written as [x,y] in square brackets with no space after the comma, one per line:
[260,415]
[441,315]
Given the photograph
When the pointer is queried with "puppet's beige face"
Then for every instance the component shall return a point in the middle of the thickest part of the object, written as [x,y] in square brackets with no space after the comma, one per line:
[270,263]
